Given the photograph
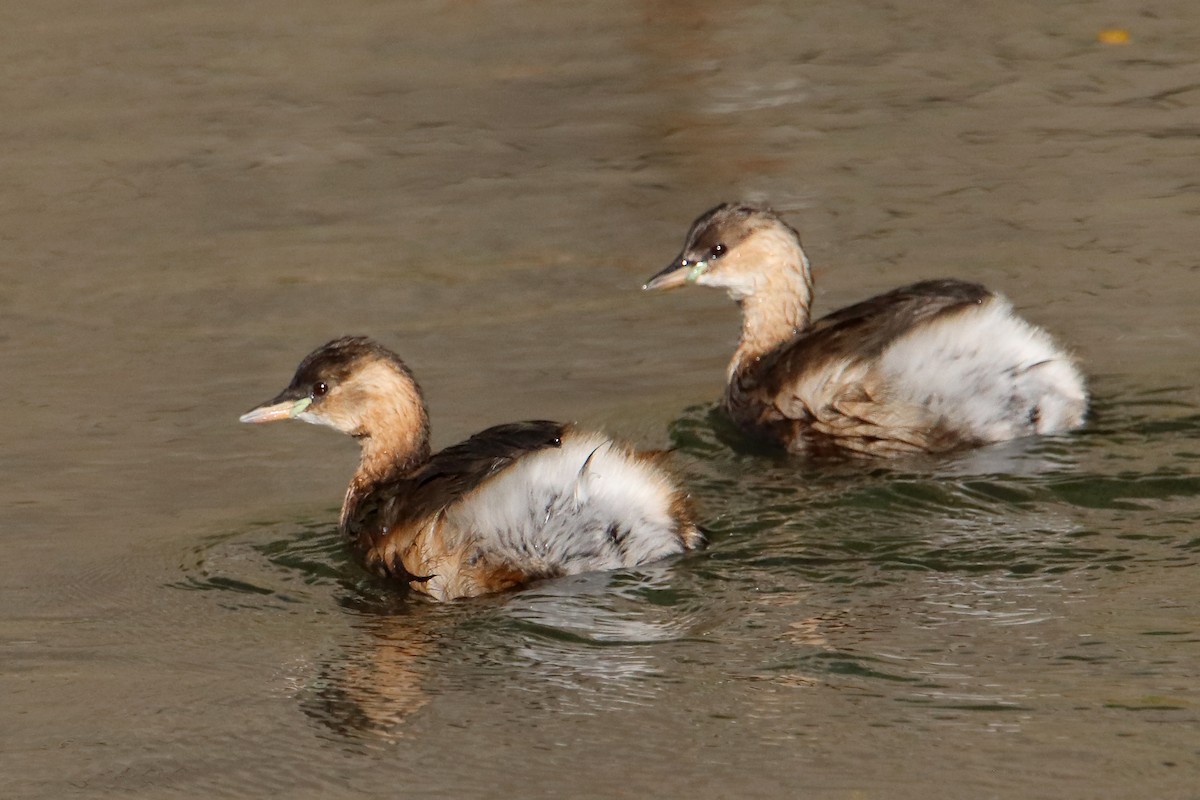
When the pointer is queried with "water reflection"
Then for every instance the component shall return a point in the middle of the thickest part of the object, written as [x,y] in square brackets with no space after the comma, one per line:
[909,583]
[373,681]
[580,644]
[904,580]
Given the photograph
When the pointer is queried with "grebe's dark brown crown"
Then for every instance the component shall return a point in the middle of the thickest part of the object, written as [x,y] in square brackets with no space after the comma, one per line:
[333,362]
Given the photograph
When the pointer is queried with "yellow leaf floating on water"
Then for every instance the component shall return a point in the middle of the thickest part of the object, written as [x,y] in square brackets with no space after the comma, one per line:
[1113,36]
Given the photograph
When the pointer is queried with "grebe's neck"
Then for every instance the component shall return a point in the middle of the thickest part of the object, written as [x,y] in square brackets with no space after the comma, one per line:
[384,458]
[776,307]
[393,434]
[392,426]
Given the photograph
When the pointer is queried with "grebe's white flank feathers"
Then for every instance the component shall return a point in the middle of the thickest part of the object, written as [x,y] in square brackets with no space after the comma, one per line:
[587,505]
[988,373]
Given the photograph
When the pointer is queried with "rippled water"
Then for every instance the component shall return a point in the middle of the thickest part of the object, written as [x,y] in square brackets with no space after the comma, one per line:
[194,197]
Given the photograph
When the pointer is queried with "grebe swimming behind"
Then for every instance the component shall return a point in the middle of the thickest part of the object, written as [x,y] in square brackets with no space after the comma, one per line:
[510,505]
[930,367]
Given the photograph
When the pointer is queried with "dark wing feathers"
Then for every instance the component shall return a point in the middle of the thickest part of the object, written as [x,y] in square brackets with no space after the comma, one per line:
[469,463]
[876,322]
[864,330]
[457,470]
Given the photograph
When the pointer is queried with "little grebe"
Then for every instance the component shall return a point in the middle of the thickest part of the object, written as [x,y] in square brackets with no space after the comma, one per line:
[509,505]
[930,367]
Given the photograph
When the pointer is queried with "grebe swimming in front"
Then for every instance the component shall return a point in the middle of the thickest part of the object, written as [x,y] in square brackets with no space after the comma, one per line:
[930,367]
[510,505]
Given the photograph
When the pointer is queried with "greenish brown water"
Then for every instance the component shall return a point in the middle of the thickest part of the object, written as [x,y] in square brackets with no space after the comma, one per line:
[192,197]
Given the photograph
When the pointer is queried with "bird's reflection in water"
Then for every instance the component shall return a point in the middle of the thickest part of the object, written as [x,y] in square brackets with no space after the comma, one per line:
[603,608]
[373,681]
[579,644]
[597,642]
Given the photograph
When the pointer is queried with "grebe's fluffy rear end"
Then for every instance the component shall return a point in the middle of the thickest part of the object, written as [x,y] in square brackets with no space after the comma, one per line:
[512,504]
[932,366]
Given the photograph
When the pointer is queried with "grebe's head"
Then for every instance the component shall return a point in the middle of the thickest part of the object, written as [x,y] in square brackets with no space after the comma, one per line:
[739,247]
[351,384]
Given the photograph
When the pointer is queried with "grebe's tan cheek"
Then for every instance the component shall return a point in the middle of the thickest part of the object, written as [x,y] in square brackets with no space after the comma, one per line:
[332,411]
[318,419]
[738,285]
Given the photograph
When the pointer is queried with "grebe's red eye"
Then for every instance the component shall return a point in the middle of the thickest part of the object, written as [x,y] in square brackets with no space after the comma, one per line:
[319,389]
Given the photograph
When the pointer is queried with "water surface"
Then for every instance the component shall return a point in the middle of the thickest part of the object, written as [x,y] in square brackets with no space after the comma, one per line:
[195,196]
